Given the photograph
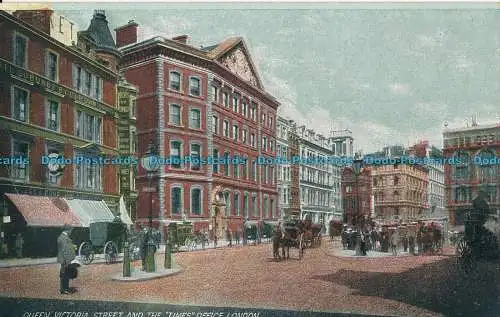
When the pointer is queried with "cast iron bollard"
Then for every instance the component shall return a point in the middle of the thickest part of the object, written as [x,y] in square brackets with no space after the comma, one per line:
[168,254]
[150,256]
[126,260]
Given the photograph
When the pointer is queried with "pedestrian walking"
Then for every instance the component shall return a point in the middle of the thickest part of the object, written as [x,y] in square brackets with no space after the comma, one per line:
[238,235]
[65,254]
[244,232]
[19,245]
[229,237]
[411,243]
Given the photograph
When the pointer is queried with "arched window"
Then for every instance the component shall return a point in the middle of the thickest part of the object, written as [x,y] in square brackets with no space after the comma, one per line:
[176,199]
[196,200]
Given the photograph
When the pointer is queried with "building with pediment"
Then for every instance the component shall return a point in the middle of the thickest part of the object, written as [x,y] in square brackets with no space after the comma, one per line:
[476,149]
[201,103]
[58,96]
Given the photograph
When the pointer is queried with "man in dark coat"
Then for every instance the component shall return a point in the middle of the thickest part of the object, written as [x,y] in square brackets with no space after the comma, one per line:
[65,254]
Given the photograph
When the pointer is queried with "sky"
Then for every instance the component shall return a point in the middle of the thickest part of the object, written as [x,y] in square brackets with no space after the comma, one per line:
[391,75]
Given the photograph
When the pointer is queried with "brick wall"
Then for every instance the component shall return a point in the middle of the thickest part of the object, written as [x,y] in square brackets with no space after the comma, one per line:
[147,113]
[109,92]
[37,109]
[5,103]
[6,48]
[36,168]
[68,115]
[143,77]
[110,179]
[109,131]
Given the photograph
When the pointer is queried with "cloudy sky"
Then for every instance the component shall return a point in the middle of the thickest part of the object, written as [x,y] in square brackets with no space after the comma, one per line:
[391,75]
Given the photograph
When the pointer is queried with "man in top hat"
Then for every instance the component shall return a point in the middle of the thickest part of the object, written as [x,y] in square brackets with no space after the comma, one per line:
[65,254]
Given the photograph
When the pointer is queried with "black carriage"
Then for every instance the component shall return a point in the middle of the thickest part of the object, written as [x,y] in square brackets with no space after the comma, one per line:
[476,242]
[181,235]
[268,230]
[294,237]
[100,238]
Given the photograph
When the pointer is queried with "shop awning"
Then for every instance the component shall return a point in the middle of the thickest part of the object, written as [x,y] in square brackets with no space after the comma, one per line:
[124,213]
[90,211]
[41,211]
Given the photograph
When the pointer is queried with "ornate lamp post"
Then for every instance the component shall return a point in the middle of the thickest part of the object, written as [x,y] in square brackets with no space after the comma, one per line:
[150,163]
[357,166]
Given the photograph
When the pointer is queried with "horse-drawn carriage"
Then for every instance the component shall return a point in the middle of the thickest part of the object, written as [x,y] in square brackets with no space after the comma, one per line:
[292,237]
[480,238]
[312,233]
[182,234]
[102,238]
[335,228]
[432,237]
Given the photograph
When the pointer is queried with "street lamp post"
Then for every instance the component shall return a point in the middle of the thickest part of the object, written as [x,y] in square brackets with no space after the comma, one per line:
[357,167]
[150,163]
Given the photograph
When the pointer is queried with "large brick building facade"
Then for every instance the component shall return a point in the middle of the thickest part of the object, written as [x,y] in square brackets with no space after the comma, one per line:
[55,98]
[470,146]
[202,102]
[356,195]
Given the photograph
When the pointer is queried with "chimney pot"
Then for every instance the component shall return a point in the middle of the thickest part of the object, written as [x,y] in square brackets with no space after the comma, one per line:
[126,34]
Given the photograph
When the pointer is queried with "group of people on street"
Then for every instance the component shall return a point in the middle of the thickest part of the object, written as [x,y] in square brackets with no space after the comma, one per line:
[393,240]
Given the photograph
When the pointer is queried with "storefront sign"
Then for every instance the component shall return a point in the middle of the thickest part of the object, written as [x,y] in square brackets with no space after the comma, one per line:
[47,84]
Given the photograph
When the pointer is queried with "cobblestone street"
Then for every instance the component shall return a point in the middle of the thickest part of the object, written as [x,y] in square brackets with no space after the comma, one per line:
[248,277]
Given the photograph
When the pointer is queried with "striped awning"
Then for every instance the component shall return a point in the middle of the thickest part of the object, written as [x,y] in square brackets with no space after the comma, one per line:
[41,211]
[91,211]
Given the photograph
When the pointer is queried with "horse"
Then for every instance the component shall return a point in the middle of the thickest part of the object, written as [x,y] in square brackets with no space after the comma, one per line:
[277,243]
[395,240]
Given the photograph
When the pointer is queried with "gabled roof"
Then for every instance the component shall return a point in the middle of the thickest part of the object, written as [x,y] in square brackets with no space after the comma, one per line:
[226,48]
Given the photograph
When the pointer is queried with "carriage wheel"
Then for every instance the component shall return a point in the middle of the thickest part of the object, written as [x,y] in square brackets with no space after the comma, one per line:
[301,246]
[86,253]
[465,257]
[110,252]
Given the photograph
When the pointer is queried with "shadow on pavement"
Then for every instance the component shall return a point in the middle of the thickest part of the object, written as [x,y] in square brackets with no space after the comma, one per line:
[438,287]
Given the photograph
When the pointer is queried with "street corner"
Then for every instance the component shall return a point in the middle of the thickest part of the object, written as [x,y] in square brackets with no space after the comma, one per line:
[139,276]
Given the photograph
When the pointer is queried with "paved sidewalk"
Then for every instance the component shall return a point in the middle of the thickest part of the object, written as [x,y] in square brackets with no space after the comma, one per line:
[99,258]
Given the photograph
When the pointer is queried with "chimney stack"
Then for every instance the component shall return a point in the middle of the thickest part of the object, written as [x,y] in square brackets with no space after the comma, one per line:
[181,39]
[38,19]
[126,34]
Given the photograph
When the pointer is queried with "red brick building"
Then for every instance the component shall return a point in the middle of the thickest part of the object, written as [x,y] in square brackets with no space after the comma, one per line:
[202,102]
[56,98]
[354,191]
[471,146]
